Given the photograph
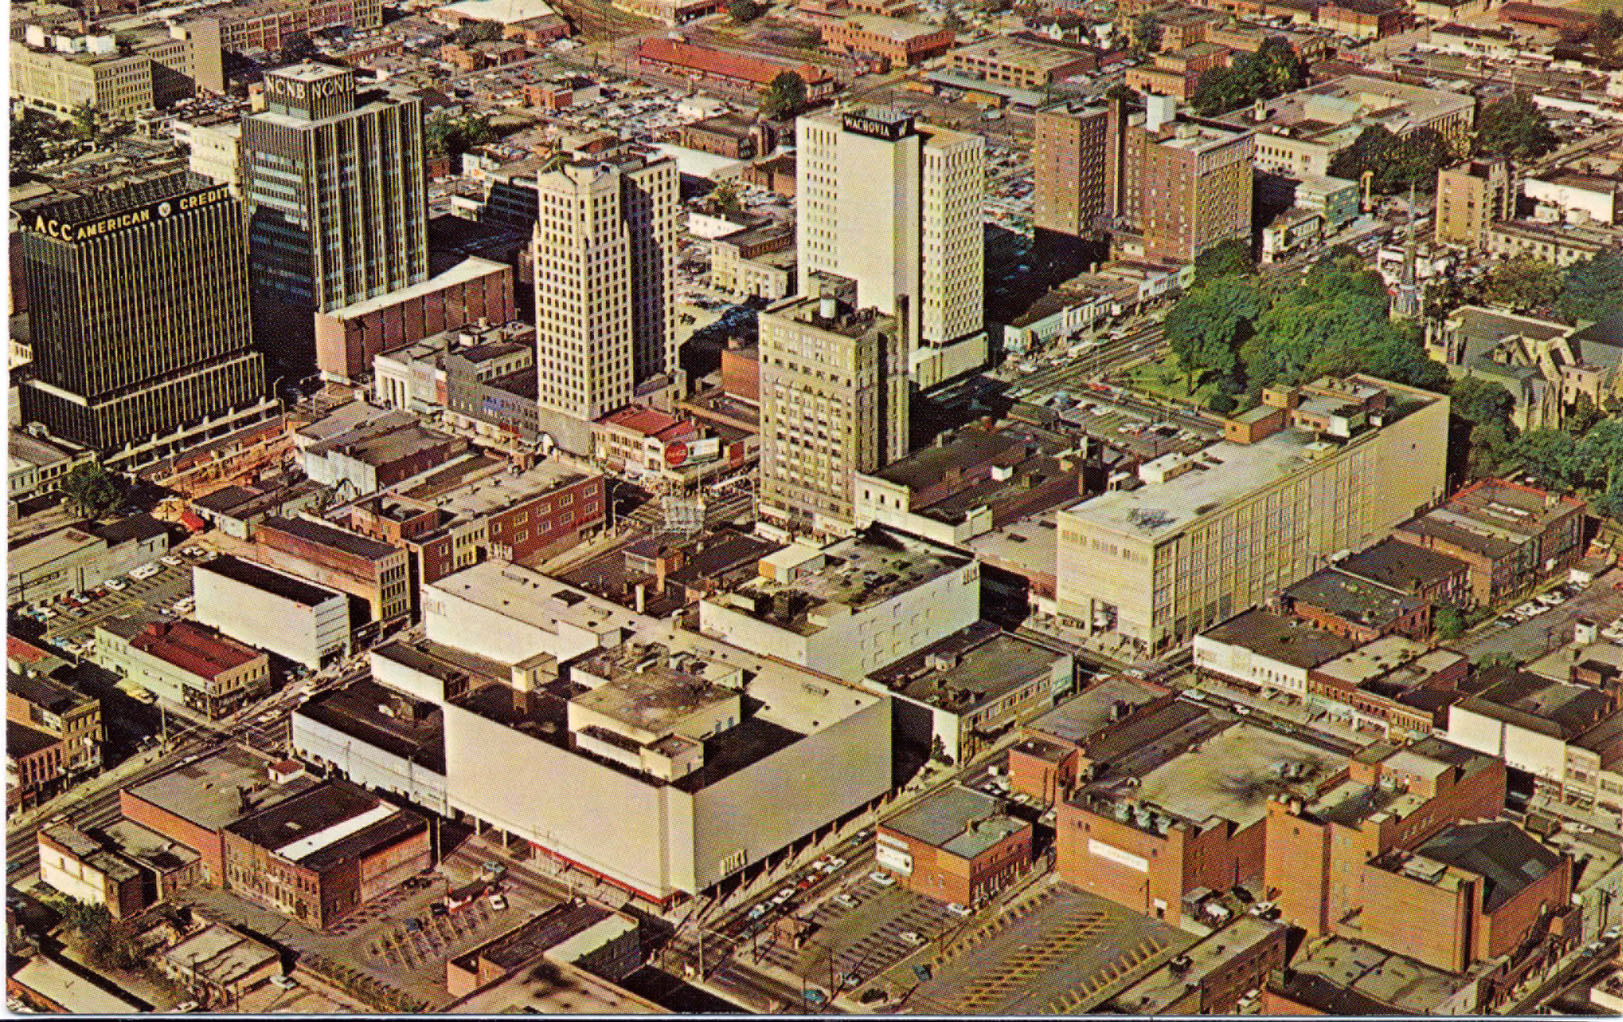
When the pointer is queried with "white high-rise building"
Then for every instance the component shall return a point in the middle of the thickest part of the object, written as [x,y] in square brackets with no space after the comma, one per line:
[604,248]
[897,207]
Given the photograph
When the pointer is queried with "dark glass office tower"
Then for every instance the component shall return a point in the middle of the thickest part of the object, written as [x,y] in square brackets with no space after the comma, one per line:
[139,313]
[337,201]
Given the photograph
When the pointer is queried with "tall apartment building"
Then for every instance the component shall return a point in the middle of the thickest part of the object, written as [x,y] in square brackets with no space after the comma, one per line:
[897,207]
[120,75]
[337,200]
[1329,466]
[604,248]
[1074,176]
[140,322]
[1472,196]
[834,391]
[1186,184]
[1183,184]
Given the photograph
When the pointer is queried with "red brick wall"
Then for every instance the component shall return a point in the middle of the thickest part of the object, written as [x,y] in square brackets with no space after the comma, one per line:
[1221,990]
[346,347]
[741,375]
[206,843]
[565,513]
[1177,862]
[1430,924]
[1037,777]
[1506,928]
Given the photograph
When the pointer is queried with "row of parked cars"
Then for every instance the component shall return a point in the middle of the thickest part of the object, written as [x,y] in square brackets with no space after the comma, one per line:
[1539,604]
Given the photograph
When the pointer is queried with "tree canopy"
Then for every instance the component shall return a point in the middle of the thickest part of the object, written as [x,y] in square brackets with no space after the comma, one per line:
[1247,332]
[1224,259]
[1273,70]
[742,10]
[1397,164]
[91,491]
[1513,128]
[453,136]
[1592,289]
[1522,284]
[1147,32]
[785,97]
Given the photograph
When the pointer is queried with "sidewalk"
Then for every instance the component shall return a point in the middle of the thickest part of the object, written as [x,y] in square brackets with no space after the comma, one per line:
[88,789]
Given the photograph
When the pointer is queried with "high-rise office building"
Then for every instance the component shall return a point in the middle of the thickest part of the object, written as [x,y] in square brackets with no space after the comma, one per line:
[1181,185]
[139,316]
[604,256]
[834,392]
[897,207]
[336,196]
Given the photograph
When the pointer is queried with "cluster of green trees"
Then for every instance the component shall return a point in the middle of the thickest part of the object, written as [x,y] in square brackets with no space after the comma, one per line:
[1513,128]
[1247,332]
[785,97]
[90,491]
[742,10]
[1589,290]
[452,136]
[1396,164]
[1273,70]
[1607,31]
[1585,456]
[1146,33]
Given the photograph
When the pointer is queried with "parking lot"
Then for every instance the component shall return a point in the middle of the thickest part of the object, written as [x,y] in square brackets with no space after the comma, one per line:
[1057,950]
[1548,628]
[399,938]
[863,930]
[71,623]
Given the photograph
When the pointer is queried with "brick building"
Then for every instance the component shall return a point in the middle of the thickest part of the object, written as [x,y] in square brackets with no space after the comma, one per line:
[1356,609]
[1472,893]
[321,855]
[75,864]
[1512,536]
[473,291]
[339,559]
[1157,817]
[179,805]
[267,24]
[184,662]
[746,74]
[483,508]
[902,43]
[957,846]
[1395,686]
[1212,976]
[1386,799]
[735,136]
[33,765]
[58,709]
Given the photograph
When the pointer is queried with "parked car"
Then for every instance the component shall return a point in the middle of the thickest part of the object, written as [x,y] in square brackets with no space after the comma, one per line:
[116,585]
[171,560]
[910,938]
[961,911]
[284,982]
[882,879]
[498,902]
[845,901]
[413,925]
[783,895]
